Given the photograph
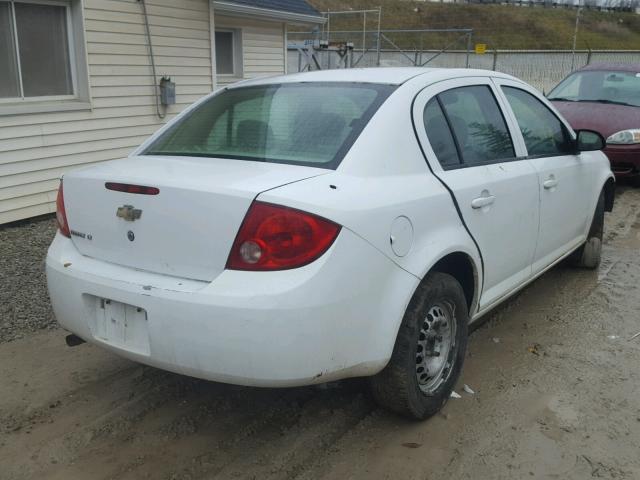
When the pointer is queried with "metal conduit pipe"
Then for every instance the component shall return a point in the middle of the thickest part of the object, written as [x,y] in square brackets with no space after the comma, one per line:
[153,63]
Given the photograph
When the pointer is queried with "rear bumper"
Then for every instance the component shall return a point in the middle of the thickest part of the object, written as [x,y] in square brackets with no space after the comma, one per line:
[625,159]
[335,318]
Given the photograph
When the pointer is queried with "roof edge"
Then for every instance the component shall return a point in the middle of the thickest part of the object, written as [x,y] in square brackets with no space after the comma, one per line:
[241,9]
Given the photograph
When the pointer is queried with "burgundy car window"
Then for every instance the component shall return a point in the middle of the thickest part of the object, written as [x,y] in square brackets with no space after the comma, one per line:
[544,134]
[599,86]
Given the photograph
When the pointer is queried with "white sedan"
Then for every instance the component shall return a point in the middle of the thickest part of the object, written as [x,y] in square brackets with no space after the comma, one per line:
[317,226]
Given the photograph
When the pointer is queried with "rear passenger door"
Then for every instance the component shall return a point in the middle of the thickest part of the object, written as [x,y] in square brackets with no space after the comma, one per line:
[468,144]
[565,179]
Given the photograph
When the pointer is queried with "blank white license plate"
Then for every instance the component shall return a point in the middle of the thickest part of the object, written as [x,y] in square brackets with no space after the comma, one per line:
[121,325]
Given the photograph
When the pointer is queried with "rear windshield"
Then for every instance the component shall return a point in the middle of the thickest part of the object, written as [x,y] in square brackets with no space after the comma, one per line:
[299,123]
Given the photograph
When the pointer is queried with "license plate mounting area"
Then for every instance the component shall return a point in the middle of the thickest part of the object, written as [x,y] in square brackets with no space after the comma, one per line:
[121,325]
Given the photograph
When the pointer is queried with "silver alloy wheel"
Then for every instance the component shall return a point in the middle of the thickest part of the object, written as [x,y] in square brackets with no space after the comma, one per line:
[436,348]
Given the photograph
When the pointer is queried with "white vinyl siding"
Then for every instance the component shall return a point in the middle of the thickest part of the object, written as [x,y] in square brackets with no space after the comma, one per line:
[36,149]
[262,47]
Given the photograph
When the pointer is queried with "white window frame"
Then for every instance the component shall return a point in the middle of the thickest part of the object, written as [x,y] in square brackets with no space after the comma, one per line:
[236,45]
[79,99]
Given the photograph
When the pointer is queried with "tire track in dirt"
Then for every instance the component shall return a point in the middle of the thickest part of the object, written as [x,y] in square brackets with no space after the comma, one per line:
[81,418]
[254,434]
[319,425]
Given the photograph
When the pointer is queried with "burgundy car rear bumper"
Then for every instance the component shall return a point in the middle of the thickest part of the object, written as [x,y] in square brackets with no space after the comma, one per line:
[625,159]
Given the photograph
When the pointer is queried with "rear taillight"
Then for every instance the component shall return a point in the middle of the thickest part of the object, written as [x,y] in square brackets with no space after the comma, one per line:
[273,237]
[61,214]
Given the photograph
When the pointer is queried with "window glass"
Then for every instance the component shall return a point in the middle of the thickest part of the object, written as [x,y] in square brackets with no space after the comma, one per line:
[600,87]
[43,49]
[544,134]
[9,86]
[478,124]
[307,124]
[224,53]
[439,135]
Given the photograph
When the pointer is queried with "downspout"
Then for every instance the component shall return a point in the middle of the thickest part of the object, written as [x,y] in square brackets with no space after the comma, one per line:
[212,46]
[153,63]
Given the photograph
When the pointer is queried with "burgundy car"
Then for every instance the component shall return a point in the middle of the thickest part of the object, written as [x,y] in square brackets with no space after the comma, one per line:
[606,98]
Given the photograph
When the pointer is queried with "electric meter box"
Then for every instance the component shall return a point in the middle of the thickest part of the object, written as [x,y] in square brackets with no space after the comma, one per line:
[167,91]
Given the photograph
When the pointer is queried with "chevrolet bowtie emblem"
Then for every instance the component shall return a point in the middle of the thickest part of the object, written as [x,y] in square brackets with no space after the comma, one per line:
[128,213]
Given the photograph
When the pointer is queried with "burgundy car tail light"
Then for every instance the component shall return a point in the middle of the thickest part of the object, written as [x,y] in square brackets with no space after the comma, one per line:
[274,237]
[128,188]
[61,214]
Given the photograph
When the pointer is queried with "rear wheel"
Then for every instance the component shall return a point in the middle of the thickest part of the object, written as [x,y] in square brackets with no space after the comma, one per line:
[590,253]
[429,350]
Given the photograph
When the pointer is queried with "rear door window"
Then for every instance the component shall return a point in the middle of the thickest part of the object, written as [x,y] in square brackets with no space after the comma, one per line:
[439,135]
[478,125]
[544,134]
[300,123]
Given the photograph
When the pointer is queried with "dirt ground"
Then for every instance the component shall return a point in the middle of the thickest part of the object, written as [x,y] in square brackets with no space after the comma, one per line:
[555,373]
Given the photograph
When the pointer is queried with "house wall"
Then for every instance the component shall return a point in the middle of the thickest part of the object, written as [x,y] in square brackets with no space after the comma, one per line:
[263,45]
[37,149]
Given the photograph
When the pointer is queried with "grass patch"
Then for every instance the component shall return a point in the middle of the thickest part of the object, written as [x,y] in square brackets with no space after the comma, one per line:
[499,26]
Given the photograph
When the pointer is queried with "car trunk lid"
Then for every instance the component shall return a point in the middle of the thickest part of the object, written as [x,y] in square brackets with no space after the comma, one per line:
[187,228]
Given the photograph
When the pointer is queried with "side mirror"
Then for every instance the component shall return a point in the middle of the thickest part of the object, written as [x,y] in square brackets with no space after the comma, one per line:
[589,141]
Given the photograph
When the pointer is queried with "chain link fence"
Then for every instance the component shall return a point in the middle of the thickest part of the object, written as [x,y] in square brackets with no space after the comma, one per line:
[541,68]
[538,41]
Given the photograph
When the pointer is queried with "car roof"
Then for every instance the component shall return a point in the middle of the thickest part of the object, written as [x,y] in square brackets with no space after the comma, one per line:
[380,75]
[617,67]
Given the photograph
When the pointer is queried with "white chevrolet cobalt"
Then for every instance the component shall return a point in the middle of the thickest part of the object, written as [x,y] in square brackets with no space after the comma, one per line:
[312,227]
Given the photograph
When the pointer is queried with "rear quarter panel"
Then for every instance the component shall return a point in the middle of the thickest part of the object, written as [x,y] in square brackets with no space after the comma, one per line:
[383,177]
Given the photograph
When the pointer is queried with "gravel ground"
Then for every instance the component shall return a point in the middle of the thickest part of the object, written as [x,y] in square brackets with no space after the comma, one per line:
[24,301]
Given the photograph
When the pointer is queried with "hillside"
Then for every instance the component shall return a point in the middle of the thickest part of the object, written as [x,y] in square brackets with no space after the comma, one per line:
[499,26]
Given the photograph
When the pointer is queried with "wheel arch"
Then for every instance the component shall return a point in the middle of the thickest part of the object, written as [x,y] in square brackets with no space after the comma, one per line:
[463,268]
[609,189]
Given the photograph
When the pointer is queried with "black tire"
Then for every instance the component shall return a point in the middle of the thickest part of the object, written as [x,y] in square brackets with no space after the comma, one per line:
[590,253]
[397,387]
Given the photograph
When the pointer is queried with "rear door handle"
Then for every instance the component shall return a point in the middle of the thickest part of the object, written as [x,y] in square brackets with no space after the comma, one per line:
[483,201]
[550,182]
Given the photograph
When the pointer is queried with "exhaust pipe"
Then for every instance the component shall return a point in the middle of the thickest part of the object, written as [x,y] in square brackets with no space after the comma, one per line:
[73,340]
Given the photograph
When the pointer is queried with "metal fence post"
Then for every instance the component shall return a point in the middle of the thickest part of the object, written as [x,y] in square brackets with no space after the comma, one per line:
[495,59]
[379,38]
[364,32]
[575,37]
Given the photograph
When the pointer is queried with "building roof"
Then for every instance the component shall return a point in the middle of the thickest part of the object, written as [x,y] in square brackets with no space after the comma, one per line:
[296,11]
[291,6]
